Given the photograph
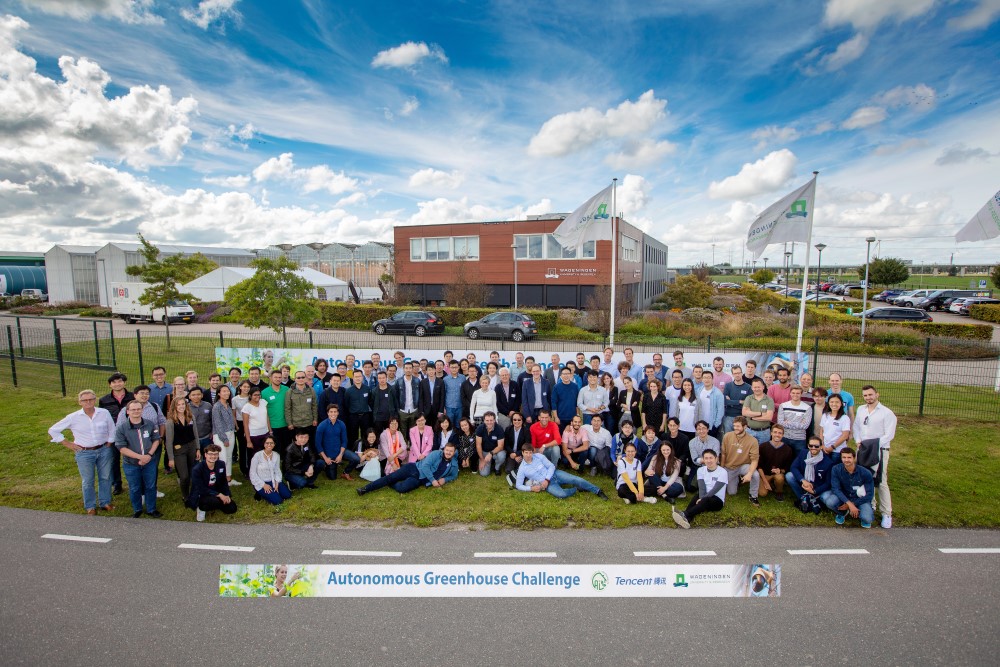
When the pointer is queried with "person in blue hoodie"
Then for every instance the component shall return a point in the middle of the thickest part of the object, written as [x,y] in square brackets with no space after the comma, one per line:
[564,396]
[811,473]
[435,470]
[853,490]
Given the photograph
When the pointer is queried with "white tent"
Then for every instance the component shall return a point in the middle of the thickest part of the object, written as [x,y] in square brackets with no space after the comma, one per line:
[212,286]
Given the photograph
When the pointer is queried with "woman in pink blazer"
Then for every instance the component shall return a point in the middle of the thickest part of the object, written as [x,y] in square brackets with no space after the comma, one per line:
[392,447]
[421,440]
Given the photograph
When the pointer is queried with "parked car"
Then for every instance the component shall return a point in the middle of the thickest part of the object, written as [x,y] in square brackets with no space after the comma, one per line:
[885,295]
[728,286]
[34,294]
[516,326]
[884,314]
[957,303]
[796,293]
[825,287]
[936,299]
[417,322]
[827,298]
[975,301]
[910,299]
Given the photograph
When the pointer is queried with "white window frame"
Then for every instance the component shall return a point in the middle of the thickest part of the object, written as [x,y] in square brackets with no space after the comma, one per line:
[419,257]
[589,249]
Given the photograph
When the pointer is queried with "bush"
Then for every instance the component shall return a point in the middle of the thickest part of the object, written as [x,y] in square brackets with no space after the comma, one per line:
[757,297]
[688,292]
[353,316]
[986,312]
[96,311]
[23,306]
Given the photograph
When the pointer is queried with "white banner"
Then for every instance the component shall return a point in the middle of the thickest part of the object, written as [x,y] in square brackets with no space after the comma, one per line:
[500,581]
[985,224]
[787,220]
[590,222]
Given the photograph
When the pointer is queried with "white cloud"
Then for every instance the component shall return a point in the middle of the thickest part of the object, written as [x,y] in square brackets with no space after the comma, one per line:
[904,146]
[865,117]
[210,11]
[240,181]
[409,106]
[433,178]
[921,97]
[765,175]
[847,52]
[867,15]
[310,179]
[244,133]
[960,154]
[985,12]
[772,134]
[633,195]
[126,11]
[575,130]
[408,54]
[640,153]
[352,200]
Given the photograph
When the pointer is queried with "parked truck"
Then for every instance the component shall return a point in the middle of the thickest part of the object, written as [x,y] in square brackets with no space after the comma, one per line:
[125,304]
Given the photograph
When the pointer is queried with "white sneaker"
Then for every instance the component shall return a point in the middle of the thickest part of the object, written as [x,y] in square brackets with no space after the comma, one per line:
[683,494]
[200,516]
[160,494]
[681,520]
[651,501]
[233,482]
[627,501]
[886,521]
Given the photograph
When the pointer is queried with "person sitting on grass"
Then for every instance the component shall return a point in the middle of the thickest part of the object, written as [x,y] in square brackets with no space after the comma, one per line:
[854,488]
[575,443]
[624,437]
[209,488]
[776,458]
[265,475]
[811,473]
[537,473]
[629,485]
[545,437]
[300,462]
[663,475]
[712,482]
[434,470]
[331,446]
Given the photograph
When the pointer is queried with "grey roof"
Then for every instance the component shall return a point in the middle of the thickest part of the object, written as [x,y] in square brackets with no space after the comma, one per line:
[184,249]
[77,249]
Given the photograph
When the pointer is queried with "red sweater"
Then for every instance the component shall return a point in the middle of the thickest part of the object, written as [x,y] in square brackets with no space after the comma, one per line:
[543,437]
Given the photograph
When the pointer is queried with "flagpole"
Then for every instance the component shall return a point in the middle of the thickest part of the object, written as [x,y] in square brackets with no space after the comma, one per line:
[805,283]
[614,253]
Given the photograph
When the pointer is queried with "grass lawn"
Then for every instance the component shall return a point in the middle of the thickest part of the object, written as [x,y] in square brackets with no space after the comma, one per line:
[926,492]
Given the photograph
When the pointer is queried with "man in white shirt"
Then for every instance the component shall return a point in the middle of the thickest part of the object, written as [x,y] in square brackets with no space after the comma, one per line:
[635,369]
[609,365]
[712,481]
[600,445]
[93,439]
[875,421]
[592,399]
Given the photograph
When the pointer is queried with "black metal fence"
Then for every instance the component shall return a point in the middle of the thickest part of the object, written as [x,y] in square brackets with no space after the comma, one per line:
[64,355]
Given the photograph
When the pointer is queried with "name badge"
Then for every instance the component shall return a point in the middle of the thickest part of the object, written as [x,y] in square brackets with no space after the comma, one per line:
[545,393]
[145,434]
[739,451]
[860,490]
[309,400]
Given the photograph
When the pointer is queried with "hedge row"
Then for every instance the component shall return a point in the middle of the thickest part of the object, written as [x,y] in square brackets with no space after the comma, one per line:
[338,313]
[934,329]
[986,312]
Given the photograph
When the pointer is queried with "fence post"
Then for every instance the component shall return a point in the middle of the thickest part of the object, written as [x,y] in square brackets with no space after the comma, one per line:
[311,340]
[20,337]
[222,343]
[114,354]
[708,349]
[923,379]
[10,351]
[815,368]
[405,346]
[97,346]
[59,358]
[138,347]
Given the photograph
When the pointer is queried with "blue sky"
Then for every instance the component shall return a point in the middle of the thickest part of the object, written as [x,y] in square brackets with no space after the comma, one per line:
[242,123]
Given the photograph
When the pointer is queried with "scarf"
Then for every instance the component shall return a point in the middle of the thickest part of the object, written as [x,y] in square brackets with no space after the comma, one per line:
[811,462]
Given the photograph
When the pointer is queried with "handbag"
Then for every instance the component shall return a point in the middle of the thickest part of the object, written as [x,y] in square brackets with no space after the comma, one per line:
[371,471]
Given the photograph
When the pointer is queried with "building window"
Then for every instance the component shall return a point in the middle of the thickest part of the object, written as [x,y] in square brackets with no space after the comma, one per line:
[545,246]
[529,246]
[630,249]
[466,247]
[416,250]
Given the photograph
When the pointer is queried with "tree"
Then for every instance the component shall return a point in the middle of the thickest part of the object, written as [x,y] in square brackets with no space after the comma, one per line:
[466,289]
[163,276]
[762,276]
[995,276]
[952,270]
[886,271]
[597,307]
[274,297]
[701,271]
[688,292]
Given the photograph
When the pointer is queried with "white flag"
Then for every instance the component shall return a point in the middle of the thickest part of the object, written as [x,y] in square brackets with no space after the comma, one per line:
[590,222]
[789,219]
[984,225]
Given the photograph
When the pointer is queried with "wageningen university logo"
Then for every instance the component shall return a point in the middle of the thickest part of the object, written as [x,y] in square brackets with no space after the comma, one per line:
[600,214]
[798,209]
[599,581]
[680,581]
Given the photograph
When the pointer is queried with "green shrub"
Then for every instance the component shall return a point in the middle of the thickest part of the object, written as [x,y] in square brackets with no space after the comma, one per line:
[986,312]
[96,311]
[353,316]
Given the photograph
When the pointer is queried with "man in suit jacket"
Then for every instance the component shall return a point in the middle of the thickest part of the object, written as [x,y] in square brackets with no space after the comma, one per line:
[515,436]
[535,395]
[508,400]
[432,397]
[552,372]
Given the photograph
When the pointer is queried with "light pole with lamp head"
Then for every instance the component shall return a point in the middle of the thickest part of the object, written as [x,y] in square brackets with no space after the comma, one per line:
[864,297]
[788,266]
[317,246]
[819,267]
[513,247]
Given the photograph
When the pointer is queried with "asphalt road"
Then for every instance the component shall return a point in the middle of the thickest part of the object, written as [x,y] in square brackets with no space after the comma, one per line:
[139,599]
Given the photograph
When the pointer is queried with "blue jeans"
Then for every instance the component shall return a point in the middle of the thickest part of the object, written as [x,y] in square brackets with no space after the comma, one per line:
[496,463]
[454,416]
[278,493]
[350,460]
[865,512]
[404,480]
[552,453]
[727,424]
[142,482]
[763,435]
[798,445]
[88,461]
[560,478]
[297,481]
[673,491]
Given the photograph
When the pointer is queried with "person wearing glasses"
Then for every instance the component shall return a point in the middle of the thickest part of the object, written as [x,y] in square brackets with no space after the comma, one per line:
[811,473]
[873,421]
[301,406]
[93,432]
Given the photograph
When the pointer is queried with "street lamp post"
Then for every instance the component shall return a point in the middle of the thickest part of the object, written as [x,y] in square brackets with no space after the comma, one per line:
[864,297]
[513,247]
[765,263]
[819,267]
[317,246]
[788,266]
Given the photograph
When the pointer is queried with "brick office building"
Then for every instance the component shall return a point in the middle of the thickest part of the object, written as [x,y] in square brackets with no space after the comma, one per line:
[547,274]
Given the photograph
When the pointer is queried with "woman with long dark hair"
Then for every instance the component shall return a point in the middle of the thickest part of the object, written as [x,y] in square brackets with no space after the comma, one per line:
[663,475]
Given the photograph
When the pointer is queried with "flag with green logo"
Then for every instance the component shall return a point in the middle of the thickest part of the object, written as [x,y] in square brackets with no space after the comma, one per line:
[590,222]
[984,225]
[787,220]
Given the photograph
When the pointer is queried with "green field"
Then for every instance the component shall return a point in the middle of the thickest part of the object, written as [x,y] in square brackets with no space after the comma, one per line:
[926,489]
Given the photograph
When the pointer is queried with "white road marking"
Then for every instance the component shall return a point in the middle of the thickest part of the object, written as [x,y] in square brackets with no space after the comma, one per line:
[76,538]
[827,552]
[671,554]
[514,554]
[341,552]
[971,550]
[214,547]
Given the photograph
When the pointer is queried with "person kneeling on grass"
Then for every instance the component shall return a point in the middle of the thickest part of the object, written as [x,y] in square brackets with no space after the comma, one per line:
[537,473]
[712,483]
[265,475]
[663,475]
[435,470]
[209,488]
[854,488]
[299,466]
[629,485]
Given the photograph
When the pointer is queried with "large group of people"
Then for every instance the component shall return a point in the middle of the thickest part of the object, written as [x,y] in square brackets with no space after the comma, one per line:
[662,433]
